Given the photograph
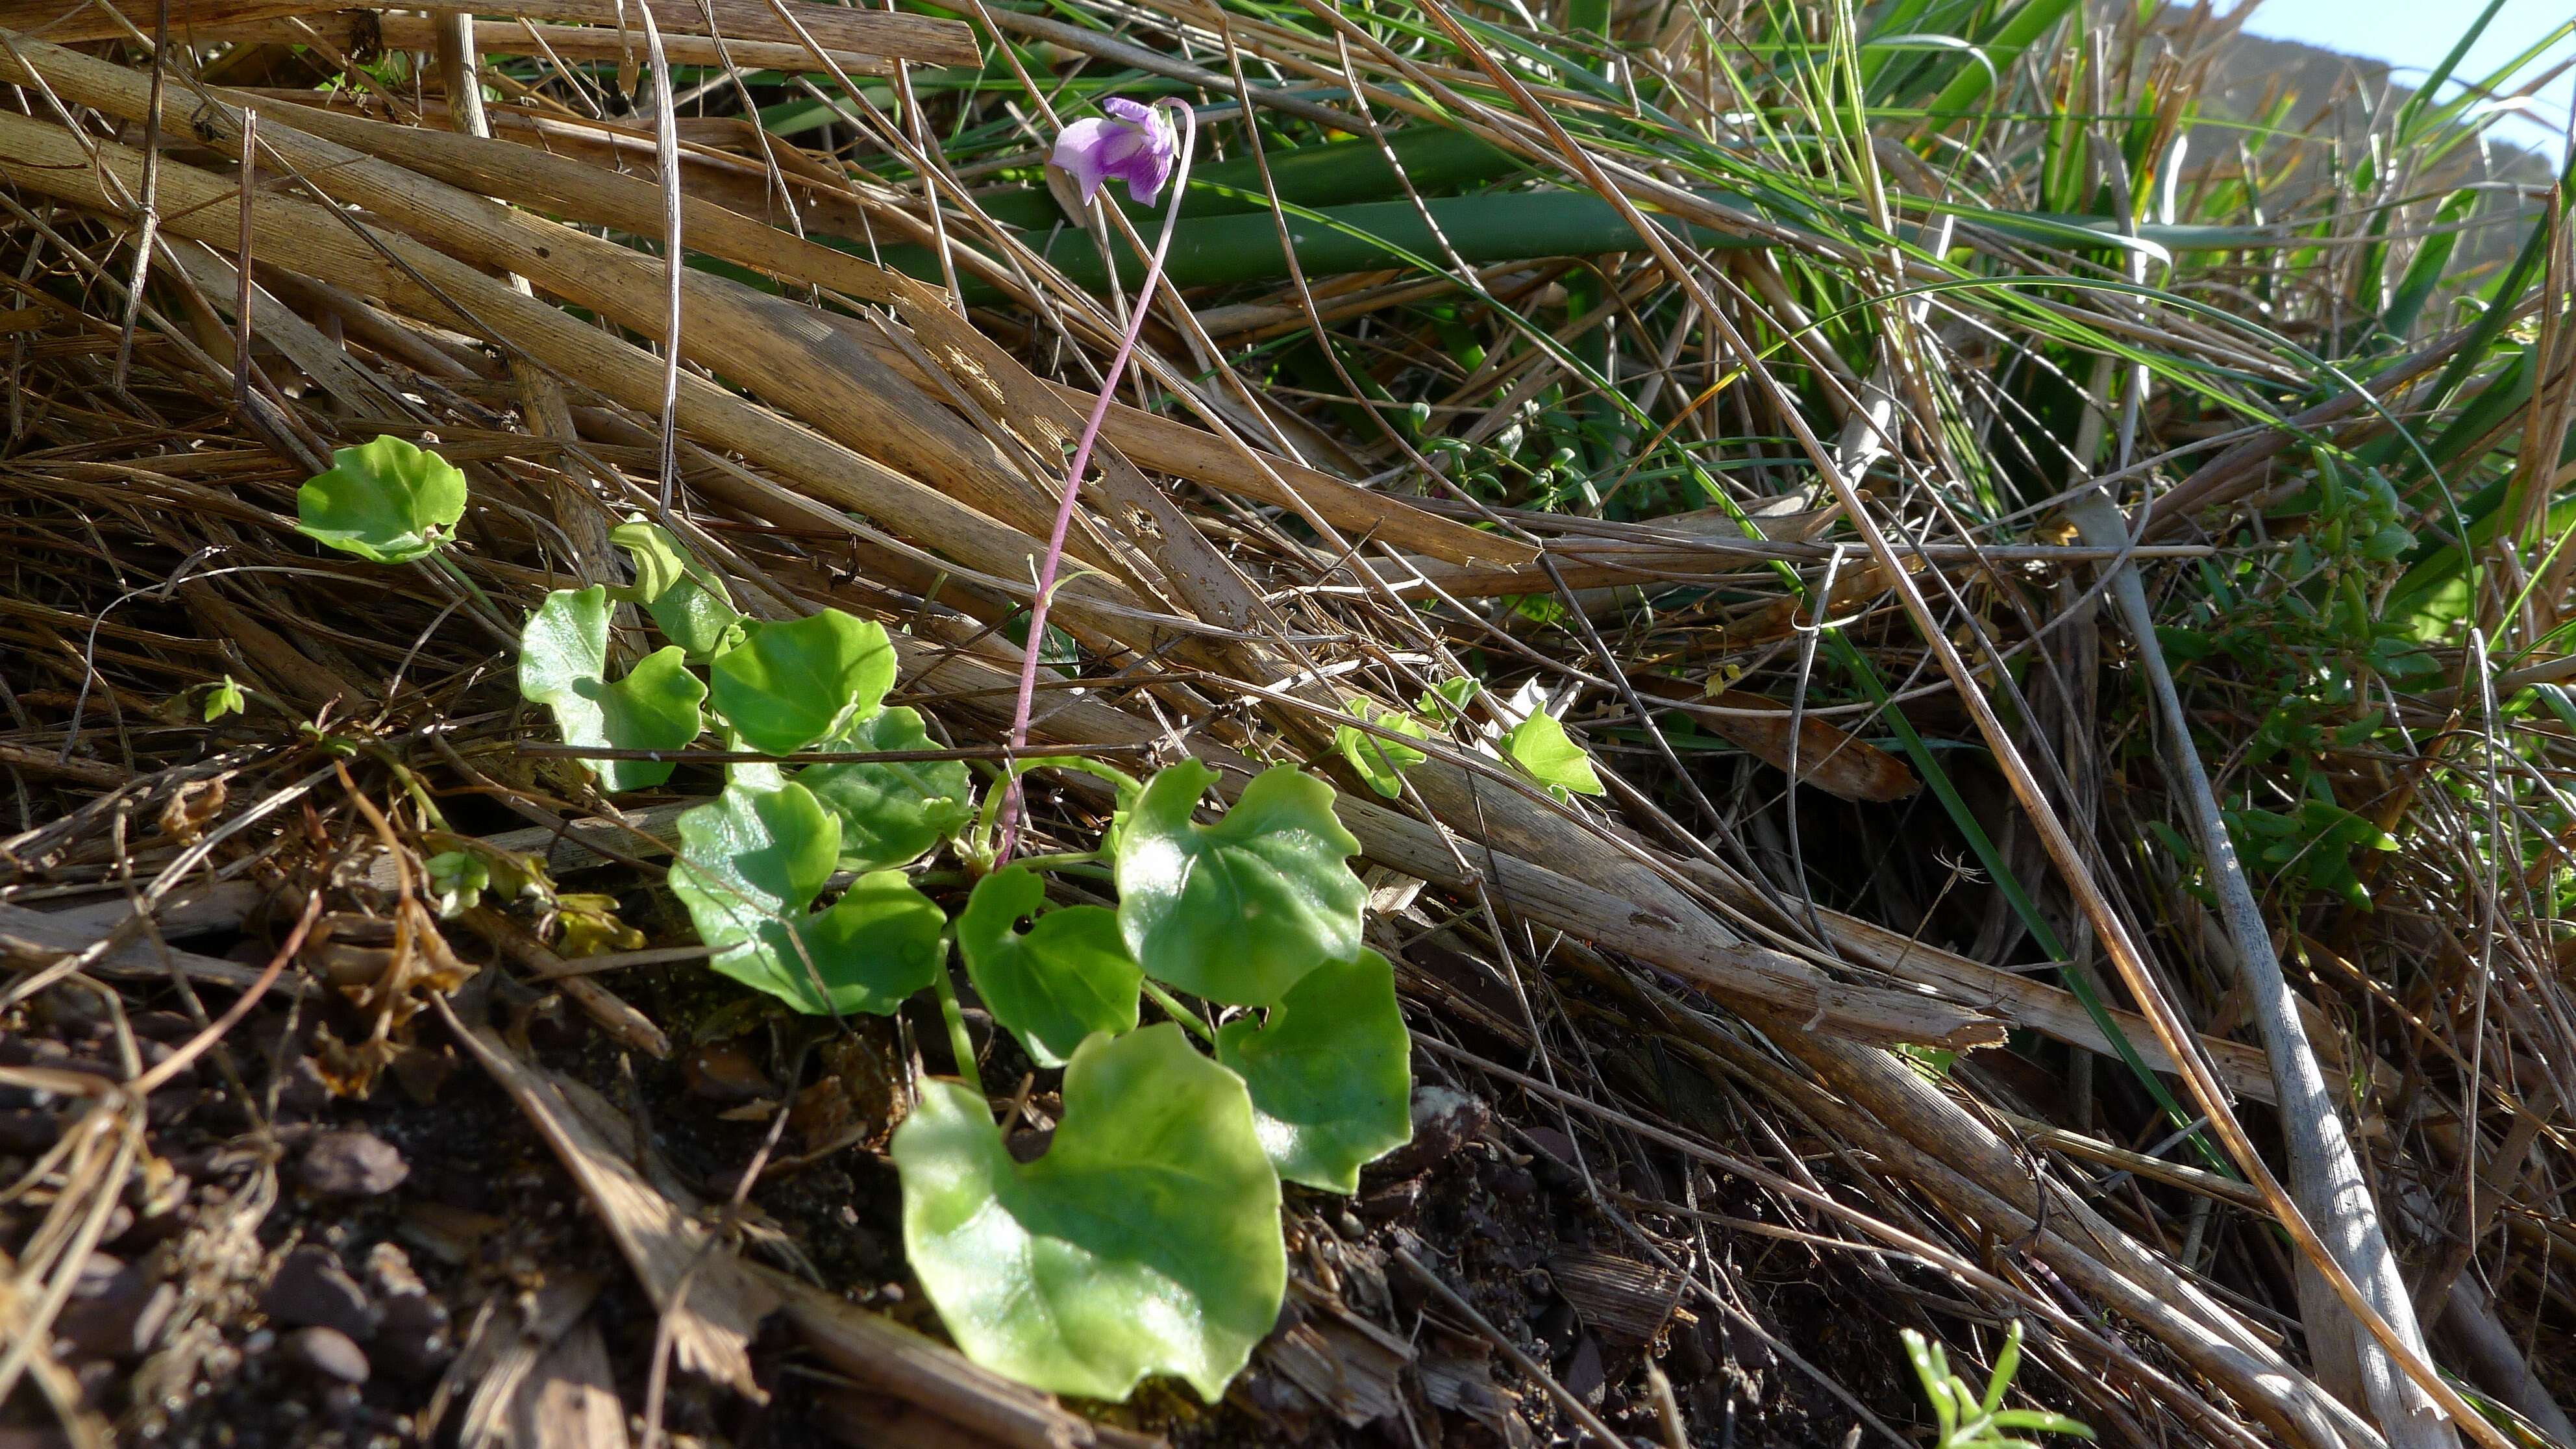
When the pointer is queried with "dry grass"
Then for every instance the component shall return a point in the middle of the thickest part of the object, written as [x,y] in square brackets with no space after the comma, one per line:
[1784,490]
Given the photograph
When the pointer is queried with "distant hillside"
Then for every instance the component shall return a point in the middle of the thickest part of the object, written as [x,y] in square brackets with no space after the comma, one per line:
[2337,101]
[2338,97]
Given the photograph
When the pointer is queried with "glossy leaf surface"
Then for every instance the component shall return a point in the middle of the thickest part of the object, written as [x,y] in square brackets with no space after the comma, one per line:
[1056,983]
[1145,1241]
[750,864]
[1544,751]
[689,604]
[892,811]
[1330,1073]
[1240,910]
[787,685]
[387,501]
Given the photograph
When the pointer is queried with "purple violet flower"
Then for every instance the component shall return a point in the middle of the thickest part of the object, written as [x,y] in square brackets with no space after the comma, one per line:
[1134,144]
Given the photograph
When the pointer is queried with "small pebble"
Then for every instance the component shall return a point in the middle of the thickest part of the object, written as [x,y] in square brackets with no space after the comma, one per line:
[327,1353]
[352,1164]
[311,1289]
[116,1310]
[29,1130]
[721,1071]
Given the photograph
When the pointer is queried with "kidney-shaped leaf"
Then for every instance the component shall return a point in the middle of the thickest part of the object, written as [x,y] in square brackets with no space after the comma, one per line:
[1059,981]
[1330,1073]
[1237,911]
[891,810]
[563,660]
[385,501]
[750,863]
[1145,1241]
[1541,746]
[688,602]
[789,684]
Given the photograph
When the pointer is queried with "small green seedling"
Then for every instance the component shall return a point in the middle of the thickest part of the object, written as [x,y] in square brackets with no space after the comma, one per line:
[687,601]
[388,502]
[1381,762]
[1970,1422]
[225,696]
[457,881]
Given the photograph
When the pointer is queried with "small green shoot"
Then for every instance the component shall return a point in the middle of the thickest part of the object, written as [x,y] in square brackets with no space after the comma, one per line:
[687,601]
[1968,1421]
[457,881]
[1381,762]
[224,697]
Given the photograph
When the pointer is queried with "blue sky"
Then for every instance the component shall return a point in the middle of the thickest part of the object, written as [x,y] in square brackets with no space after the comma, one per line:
[2414,35]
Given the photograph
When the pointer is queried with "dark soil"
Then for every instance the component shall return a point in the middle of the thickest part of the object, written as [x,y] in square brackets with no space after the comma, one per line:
[314,1281]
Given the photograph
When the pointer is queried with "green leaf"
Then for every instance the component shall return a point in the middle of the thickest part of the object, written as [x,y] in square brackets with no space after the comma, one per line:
[1381,762]
[688,602]
[457,881]
[1330,1073]
[1543,750]
[226,697]
[1447,700]
[1145,1241]
[563,659]
[1240,910]
[790,684]
[752,861]
[1067,976]
[384,501]
[892,812]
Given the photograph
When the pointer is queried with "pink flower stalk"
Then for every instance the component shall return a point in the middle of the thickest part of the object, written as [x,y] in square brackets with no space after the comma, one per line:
[1136,147]
[1139,149]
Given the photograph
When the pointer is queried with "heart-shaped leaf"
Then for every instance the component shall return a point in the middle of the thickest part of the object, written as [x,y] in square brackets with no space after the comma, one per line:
[1380,761]
[563,659]
[385,501]
[891,811]
[1237,911]
[750,863]
[689,604]
[1330,1073]
[1541,747]
[1056,983]
[789,684]
[1145,1241]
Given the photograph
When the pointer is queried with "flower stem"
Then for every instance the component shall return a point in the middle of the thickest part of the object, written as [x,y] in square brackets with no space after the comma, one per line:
[1011,810]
